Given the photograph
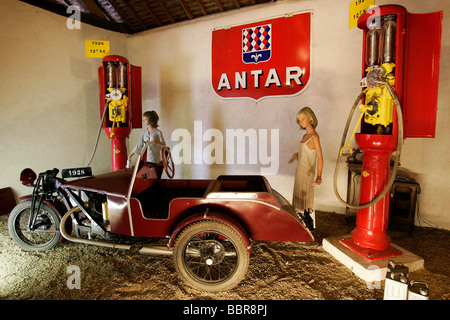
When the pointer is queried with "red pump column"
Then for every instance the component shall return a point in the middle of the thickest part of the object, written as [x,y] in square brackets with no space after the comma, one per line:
[372,222]
[118,147]
[369,238]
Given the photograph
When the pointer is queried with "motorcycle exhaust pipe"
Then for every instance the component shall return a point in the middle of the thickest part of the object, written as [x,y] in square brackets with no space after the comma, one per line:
[156,250]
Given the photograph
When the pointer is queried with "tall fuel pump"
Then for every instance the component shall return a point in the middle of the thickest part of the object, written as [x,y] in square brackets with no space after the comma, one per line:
[400,70]
[120,88]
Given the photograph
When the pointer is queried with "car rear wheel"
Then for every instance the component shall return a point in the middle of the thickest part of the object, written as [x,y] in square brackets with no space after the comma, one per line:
[211,256]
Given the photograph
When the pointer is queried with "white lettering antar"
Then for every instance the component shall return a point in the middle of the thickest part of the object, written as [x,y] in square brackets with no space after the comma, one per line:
[292,76]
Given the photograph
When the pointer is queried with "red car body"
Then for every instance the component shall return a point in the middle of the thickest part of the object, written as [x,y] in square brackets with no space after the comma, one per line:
[247,203]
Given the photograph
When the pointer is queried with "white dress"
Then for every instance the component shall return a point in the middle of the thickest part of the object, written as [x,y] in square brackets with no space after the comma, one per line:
[303,197]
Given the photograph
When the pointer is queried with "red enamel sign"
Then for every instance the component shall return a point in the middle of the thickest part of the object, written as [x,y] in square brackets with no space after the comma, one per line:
[262,59]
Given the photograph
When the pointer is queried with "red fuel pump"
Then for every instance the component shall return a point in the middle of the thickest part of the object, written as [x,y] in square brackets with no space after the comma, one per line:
[401,58]
[120,104]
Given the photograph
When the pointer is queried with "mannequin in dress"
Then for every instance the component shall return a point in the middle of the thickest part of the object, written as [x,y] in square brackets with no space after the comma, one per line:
[309,152]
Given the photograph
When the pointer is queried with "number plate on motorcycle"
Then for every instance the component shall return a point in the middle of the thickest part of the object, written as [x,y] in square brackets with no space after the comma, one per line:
[76,172]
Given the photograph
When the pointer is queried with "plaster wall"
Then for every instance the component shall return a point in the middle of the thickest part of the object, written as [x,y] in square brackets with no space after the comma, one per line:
[50,103]
[50,109]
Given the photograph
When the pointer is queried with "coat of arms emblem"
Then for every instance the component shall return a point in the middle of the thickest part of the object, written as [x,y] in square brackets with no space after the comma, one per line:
[256,44]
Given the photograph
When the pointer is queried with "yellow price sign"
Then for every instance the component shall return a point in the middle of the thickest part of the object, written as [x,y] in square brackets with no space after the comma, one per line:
[356,9]
[96,48]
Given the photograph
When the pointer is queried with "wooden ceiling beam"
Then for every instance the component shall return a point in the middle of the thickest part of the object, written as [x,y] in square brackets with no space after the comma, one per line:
[155,17]
[94,8]
[116,10]
[134,14]
[186,9]
[220,5]
[126,17]
[163,6]
[202,7]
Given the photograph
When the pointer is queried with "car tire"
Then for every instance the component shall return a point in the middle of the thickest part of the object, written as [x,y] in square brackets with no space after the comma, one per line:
[211,256]
[45,238]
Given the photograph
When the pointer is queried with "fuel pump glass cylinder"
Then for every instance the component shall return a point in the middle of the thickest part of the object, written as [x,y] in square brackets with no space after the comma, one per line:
[388,31]
[372,57]
[122,75]
[110,75]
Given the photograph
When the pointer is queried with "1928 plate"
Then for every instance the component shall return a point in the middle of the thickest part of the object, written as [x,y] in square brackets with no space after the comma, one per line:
[76,172]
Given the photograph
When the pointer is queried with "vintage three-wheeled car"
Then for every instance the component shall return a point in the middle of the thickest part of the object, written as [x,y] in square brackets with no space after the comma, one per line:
[207,225]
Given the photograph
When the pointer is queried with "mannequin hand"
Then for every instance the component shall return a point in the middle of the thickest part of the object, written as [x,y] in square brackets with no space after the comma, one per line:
[294,157]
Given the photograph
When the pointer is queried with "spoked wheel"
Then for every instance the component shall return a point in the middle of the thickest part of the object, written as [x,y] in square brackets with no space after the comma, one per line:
[211,256]
[45,234]
[168,162]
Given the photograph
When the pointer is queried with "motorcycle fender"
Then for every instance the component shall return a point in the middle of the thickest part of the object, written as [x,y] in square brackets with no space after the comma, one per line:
[212,216]
[24,198]
[57,205]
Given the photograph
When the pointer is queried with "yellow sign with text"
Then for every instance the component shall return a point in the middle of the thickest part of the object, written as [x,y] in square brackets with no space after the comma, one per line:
[96,48]
[356,9]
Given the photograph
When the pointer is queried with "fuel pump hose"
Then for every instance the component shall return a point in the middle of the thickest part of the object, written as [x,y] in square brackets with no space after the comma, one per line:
[397,156]
[98,136]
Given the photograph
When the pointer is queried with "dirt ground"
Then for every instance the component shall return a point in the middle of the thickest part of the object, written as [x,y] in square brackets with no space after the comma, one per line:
[277,271]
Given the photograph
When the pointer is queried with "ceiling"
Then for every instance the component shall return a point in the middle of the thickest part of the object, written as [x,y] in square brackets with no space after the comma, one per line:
[133,16]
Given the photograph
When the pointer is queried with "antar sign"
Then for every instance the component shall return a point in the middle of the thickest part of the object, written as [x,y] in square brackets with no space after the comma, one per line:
[262,59]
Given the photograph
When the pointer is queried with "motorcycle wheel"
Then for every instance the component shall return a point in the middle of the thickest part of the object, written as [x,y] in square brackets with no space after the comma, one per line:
[46,234]
[211,256]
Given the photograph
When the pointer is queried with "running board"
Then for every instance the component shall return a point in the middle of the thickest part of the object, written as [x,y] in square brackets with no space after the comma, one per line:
[157,250]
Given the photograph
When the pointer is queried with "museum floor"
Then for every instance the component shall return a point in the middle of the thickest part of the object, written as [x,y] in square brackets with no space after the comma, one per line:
[277,271]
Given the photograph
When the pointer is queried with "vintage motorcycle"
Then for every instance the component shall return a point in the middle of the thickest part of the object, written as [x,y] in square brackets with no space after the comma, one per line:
[207,225]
